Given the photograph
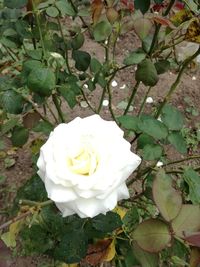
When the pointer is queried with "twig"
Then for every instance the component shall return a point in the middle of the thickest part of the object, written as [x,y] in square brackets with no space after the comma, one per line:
[21,216]
[177,81]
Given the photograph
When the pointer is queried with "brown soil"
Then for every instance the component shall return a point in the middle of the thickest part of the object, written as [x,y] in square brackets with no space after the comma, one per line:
[22,170]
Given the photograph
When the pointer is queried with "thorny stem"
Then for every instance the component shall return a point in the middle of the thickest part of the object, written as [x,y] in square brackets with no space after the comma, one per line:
[35,11]
[87,101]
[110,101]
[177,81]
[55,101]
[158,26]
[181,160]
[35,203]
[66,49]
[134,91]
[144,101]
[112,76]
[52,113]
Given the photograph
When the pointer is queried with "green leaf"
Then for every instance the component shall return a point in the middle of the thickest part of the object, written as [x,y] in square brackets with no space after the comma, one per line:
[192,178]
[134,57]
[52,12]
[130,220]
[11,101]
[30,65]
[172,118]
[102,31]
[142,5]
[177,140]
[33,189]
[152,152]
[107,223]
[53,221]
[146,259]
[78,41]
[188,220]
[146,73]
[72,247]
[19,136]
[129,122]
[44,127]
[95,65]
[67,91]
[34,54]
[82,59]
[152,235]
[162,66]
[35,240]
[143,140]
[9,125]
[167,198]
[152,127]
[15,3]
[42,81]
[65,7]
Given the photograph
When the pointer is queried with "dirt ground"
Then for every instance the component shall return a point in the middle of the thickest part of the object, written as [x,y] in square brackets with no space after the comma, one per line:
[23,169]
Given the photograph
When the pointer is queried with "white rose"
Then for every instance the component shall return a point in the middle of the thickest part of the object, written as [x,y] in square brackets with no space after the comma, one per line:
[84,165]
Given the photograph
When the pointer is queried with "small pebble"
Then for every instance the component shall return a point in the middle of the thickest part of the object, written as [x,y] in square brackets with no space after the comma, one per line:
[114,83]
[149,100]
[85,86]
[194,78]
[159,164]
[105,103]
[83,104]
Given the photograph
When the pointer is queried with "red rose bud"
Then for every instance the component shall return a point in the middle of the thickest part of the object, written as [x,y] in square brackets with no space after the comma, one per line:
[179,5]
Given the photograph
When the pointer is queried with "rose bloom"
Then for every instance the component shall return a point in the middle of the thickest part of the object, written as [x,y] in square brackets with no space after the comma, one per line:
[84,165]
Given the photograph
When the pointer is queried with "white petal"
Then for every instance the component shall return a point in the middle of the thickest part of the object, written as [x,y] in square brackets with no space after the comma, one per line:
[59,193]
[63,207]
[90,207]
[122,192]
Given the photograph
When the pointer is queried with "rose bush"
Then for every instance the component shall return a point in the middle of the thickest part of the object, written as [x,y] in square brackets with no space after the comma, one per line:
[84,165]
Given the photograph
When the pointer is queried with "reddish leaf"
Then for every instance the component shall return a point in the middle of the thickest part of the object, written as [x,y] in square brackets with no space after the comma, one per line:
[96,7]
[193,239]
[188,220]
[128,4]
[152,235]
[97,252]
[163,21]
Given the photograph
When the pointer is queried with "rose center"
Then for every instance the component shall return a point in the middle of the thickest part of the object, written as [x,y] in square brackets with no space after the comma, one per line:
[84,163]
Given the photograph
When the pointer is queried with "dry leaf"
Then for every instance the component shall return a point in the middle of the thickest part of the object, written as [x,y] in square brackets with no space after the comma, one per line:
[96,7]
[97,252]
[193,31]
